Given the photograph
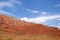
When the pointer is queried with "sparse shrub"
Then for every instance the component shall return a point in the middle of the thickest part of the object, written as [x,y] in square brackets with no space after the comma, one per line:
[9,39]
[0,36]
[1,29]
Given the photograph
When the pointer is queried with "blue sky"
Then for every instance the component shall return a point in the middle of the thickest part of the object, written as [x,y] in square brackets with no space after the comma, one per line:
[37,11]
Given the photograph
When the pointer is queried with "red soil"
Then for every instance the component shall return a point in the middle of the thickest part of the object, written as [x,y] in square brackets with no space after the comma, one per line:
[13,25]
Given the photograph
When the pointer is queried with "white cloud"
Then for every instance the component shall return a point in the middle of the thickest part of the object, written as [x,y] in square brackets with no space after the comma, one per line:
[7,13]
[34,20]
[40,19]
[33,11]
[36,11]
[3,4]
[18,2]
[9,3]
[44,13]
[15,1]
[57,5]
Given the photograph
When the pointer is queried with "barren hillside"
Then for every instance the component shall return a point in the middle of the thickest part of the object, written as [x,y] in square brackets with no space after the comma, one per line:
[14,29]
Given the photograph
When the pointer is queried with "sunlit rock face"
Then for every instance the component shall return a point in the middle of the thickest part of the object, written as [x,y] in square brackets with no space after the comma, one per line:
[16,27]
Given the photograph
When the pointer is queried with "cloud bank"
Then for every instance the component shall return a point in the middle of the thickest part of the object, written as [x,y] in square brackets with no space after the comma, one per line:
[40,19]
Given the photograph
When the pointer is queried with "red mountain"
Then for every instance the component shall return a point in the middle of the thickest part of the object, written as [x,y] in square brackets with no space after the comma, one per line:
[10,25]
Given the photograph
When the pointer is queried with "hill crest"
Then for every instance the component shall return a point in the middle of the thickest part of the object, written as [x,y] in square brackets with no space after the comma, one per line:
[12,25]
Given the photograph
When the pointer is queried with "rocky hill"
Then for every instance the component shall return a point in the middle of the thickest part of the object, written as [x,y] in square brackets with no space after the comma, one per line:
[12,29]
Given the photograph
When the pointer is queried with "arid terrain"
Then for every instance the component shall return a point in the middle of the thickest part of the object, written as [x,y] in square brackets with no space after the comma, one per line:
[15,29]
